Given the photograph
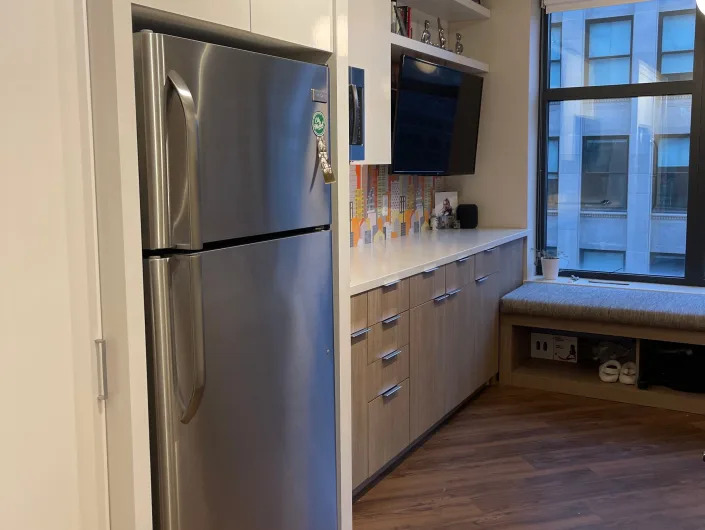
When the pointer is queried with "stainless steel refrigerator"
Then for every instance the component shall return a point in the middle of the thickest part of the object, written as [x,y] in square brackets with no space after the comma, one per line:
[238,287]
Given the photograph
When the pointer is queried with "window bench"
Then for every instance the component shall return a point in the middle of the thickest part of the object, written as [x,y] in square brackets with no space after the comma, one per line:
[604,311]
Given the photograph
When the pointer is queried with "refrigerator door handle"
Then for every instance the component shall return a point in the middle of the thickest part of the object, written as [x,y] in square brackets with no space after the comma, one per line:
[195,324]
[190,191]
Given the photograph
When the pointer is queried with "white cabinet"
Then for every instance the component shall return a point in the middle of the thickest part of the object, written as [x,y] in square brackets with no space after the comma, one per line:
[305,22]
[231,13]
[370,49]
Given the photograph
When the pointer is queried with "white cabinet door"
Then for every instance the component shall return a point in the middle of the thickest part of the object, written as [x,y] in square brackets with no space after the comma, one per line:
[305,22]
[231,13]
[370,49]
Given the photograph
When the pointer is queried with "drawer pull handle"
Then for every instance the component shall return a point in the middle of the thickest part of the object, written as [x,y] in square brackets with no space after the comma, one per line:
[490,250]
[391,356]
[432,269]
[392,319]
[391,284]
[480,280]
[360,333]
[463,260]
[441,298]
[389,393]
[454,292]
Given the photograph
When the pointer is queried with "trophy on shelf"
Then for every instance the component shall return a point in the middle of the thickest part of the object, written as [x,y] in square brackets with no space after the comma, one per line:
[441,36]
[426,35]
[458,44]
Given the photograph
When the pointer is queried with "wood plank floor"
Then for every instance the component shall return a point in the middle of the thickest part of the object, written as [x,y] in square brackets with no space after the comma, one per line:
[524,459]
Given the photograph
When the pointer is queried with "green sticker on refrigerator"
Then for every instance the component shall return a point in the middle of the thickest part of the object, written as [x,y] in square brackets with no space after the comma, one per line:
[318,123]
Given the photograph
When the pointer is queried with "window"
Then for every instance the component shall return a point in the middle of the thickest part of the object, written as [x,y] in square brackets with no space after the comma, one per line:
[621,193]
[609,51]
[552,173]
[602,260]
[667,264]
[604,179]
[676,44]
[670,184]
[554,74]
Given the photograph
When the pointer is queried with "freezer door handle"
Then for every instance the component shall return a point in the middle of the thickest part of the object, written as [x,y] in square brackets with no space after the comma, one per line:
[186,227]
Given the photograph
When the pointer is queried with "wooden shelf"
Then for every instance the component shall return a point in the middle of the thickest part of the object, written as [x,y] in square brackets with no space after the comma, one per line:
[450,10]
[568,378]
[405,46]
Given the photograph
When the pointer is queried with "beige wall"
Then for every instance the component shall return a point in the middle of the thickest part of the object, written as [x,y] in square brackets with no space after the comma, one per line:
[504,184]
[51,439]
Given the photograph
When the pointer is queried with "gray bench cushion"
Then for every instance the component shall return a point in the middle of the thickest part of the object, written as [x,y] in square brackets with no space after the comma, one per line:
[608,304]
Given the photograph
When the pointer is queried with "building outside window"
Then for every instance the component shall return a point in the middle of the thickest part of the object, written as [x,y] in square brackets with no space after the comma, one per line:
[618,142]
[552,173]
[609,50]
[554,74]
[676,44]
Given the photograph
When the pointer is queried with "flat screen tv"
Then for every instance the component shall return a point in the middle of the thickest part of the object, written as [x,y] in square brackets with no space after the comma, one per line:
[436,119]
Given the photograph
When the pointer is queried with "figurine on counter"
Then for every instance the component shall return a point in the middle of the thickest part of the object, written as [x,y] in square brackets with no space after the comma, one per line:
[441,35]
[458,44]
[426,35]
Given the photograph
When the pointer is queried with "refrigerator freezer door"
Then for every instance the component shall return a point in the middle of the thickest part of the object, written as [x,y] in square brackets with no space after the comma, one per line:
[259,452]
[226,142]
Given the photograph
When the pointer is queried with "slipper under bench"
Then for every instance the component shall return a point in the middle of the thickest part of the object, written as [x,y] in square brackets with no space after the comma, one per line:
[606,311]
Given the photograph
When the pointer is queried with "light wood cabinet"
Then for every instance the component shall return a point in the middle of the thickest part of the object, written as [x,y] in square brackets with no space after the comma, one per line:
[388,300]
[389,425]
[305,22]
[459,273]
[460,371]
[359,410]
[387,372]
[426,286]
[432,342]
[427,345]
[513,265]
[388,336]
[231,13]
[358,312]
[370,49]
[487,328]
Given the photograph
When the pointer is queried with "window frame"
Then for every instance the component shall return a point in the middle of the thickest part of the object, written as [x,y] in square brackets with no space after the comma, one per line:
[655,166]
[695,88]
[588,59]
[660,53]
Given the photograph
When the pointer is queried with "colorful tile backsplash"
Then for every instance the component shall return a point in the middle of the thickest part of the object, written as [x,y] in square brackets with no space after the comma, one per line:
[384,206]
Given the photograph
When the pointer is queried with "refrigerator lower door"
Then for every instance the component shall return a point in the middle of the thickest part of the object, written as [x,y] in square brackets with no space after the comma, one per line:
[258,452]
[227,142]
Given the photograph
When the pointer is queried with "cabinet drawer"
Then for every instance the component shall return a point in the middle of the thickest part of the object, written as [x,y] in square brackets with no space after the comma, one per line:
[388,425]
[460,273]
[388,336]
[427,285]
[358,312]
[387,301]
[487,262]
[387,372]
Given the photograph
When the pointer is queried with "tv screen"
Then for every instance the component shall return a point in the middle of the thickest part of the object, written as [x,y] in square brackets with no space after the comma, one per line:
[436,119]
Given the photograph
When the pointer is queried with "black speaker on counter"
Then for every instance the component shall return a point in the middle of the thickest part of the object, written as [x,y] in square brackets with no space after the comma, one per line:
[467,215]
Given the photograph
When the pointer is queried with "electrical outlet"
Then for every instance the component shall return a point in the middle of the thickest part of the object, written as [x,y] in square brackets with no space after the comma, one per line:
[541,346]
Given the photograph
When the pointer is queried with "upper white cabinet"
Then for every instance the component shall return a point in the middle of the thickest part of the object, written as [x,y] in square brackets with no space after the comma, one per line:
[305,22]
[231,13]
[370,49]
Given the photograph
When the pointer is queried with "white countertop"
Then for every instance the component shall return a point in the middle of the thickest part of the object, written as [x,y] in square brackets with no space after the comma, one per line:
[376,264]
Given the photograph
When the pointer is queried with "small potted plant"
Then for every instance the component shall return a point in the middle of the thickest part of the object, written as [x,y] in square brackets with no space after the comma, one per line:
[550,264]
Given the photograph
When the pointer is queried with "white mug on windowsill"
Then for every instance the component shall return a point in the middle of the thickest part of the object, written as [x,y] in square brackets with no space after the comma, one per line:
[550,267]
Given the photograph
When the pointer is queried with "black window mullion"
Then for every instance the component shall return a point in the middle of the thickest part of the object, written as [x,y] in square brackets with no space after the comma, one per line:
[695,240]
